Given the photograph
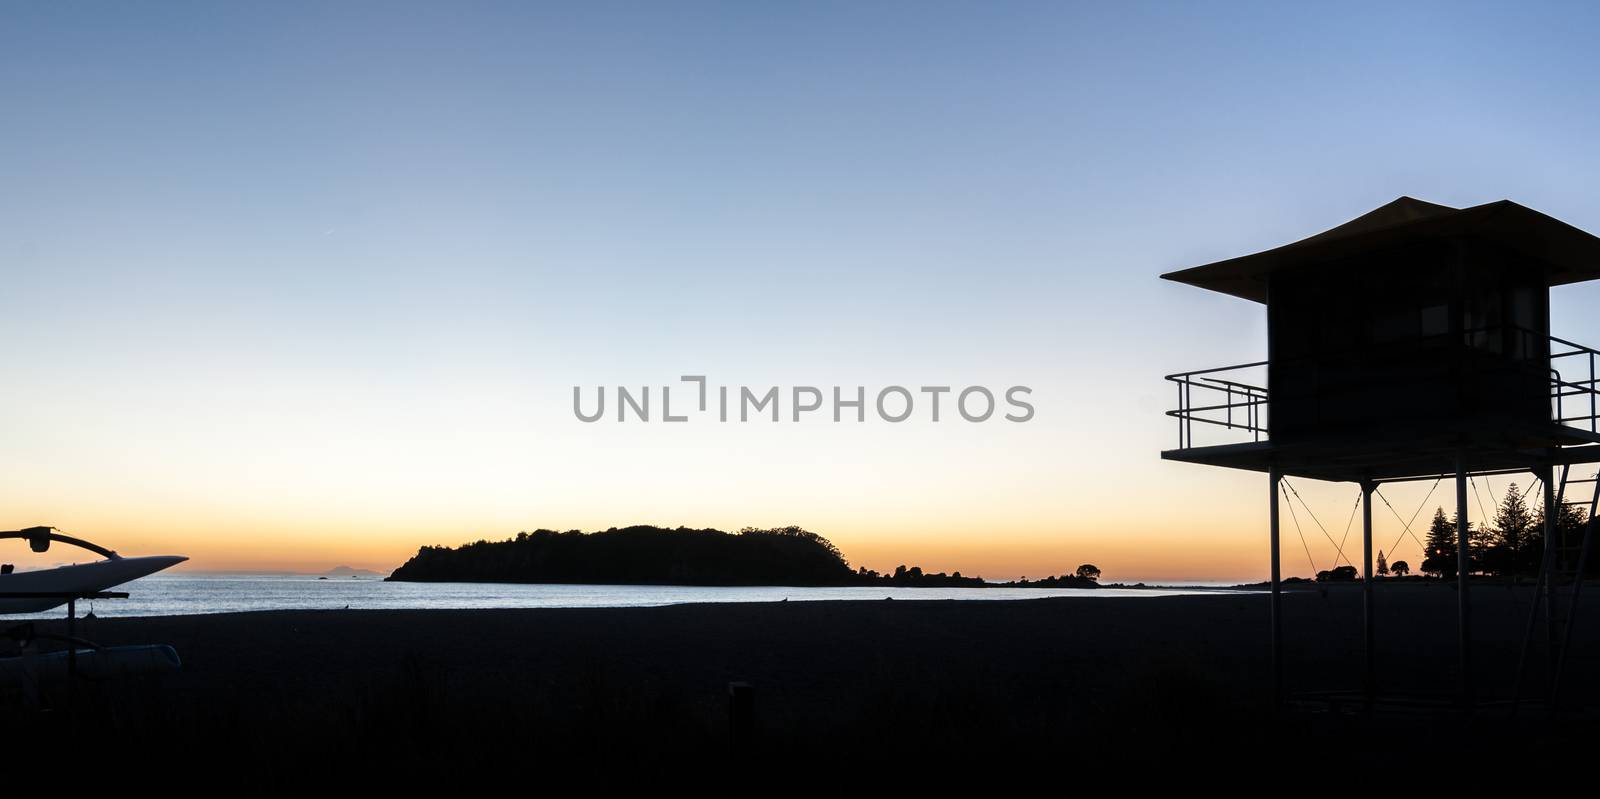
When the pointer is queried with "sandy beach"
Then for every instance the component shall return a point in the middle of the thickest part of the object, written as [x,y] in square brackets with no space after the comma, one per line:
[902,680]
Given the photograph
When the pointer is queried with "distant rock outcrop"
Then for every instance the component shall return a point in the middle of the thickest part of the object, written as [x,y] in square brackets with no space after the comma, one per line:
[351,571]
[639,555]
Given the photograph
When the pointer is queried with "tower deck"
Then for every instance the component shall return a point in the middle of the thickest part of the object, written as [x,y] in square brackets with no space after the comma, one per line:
[1403,454]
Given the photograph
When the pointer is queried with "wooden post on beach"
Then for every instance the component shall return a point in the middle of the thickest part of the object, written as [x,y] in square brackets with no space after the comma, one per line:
[1369,635]
[1277,594]
[741,718]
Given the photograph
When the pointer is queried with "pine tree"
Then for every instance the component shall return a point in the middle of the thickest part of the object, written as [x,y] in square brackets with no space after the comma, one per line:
[1508,536]
[1440,555]
[1440,551]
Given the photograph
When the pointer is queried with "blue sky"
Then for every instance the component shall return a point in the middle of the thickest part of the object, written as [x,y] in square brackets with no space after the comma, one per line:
[335,267]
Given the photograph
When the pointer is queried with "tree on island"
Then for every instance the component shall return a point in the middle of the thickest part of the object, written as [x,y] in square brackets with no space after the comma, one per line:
[914,576]
[1338,574]
[797,532]
[1078,579]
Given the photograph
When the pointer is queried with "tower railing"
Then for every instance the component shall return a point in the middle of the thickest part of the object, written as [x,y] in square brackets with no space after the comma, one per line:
[1235,398]
[1573,385]
[1231,397]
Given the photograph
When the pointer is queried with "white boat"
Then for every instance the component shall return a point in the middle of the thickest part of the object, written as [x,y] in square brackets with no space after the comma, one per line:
[60,582]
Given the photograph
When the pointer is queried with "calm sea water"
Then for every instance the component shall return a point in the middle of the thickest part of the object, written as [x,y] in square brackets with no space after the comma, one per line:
[179,594]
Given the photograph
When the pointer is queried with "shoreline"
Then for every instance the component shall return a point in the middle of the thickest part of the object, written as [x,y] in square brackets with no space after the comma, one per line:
[165,596]
[548,596]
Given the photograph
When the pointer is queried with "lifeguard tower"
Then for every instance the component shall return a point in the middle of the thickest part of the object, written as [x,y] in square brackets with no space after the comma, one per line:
[1410,343]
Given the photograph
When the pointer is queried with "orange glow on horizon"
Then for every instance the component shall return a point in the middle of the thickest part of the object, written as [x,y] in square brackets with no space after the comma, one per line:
[1222,540]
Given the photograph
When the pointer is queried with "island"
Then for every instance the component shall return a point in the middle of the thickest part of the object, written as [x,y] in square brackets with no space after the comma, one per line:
[350,571]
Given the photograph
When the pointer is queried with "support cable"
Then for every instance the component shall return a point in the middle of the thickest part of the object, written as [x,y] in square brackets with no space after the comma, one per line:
[1324,530]
[1302,534]
[1483,528]
[1405,525]
[1350,523]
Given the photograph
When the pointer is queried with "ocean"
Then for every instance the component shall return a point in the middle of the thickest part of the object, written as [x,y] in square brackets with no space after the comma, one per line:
[190,593]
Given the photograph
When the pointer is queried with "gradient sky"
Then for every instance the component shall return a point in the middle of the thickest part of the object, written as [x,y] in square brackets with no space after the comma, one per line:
[289,285]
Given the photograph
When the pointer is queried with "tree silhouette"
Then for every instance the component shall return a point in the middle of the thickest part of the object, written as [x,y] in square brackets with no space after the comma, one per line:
[1507,537]
[1400,568]
[1088,571]
[1338,574]
[1570,521]
[1439,556]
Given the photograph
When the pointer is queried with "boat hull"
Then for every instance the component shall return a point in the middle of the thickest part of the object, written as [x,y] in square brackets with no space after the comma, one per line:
[78,578]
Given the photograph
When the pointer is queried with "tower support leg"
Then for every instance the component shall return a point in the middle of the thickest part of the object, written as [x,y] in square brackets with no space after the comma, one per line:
[1463,565]
[1369,633]
[1552,549]
[1277,592]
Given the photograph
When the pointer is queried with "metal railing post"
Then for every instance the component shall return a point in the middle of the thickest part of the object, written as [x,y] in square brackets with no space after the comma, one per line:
[1188,403]
[1181,411]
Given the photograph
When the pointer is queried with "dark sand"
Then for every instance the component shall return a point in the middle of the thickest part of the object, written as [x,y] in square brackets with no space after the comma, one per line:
[942,684]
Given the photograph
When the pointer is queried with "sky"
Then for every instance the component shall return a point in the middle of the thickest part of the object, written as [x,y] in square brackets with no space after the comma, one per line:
[291,285]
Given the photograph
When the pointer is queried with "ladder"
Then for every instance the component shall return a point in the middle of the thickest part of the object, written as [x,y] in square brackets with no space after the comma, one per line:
[1563,566]
[1569,561]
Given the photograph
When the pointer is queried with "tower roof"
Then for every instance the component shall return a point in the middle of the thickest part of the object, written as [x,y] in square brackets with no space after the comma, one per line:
[1571,255]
